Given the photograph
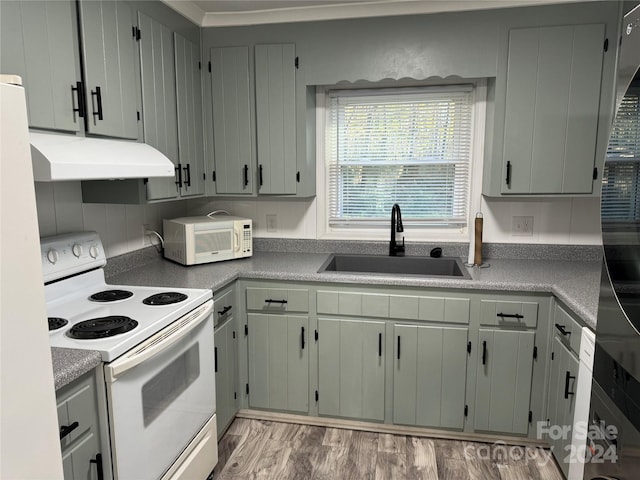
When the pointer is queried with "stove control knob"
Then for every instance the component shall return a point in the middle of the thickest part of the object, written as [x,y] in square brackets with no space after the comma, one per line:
[93,251]
[77,249]
[52,255]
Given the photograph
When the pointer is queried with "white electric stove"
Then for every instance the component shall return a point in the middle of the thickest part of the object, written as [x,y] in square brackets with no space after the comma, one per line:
[159,360]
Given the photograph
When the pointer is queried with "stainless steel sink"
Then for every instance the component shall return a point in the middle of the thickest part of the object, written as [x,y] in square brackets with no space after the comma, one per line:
[443,267]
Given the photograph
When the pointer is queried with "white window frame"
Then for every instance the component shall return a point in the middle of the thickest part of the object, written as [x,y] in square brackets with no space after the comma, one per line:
[411,233]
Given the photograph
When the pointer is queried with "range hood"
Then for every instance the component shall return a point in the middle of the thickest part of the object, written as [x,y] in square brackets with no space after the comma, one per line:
[69,157]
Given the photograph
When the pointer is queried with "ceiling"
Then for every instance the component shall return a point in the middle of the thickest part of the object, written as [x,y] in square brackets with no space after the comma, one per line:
[217,13]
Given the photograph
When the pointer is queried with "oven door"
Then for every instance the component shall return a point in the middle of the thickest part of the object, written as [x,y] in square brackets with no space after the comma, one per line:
[160,395]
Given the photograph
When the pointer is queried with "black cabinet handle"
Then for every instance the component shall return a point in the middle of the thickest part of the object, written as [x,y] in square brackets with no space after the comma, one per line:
[568,377]
[302,337]
[67,429]
[98,462]
[508,179]
[398,347]
[224,310]
[246,175]
[178,174]
[260,174]
[215,359]
[510,315]
[281,302]
[98,96]
[563,329]
[380,344]
[187,175]
[484,352]
[79,100]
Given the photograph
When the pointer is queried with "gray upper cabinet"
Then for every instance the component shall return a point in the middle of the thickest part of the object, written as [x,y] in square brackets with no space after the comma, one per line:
[108,59]
[190,122]
[159,99]
[551,112]
[38,42]
[275,73]
[234,164]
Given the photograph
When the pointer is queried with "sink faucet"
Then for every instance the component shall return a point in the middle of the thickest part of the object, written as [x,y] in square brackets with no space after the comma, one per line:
[396,226]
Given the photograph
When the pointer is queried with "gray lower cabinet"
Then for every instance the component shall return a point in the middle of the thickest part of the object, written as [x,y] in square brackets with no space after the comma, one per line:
[38,41]
[503,381]
[563,382]
[234,170]
[562,388]
[226,355]
[351,368]
[458,360]
[108,55]
[278,347]
[429,375]
[82,457]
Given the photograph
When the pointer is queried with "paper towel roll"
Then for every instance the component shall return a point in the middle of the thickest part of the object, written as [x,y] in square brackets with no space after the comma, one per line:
[477,258]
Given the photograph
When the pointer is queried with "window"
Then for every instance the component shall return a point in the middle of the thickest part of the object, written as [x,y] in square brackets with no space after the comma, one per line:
[411,146]
[621,177]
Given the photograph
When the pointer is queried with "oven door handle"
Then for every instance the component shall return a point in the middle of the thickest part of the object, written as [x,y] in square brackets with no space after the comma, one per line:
[158,342]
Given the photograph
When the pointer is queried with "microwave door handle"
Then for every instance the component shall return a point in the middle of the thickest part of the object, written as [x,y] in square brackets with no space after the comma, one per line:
[236,240]
[159,342]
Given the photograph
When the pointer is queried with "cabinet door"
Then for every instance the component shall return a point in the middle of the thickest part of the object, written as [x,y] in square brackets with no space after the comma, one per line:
[108,56]
[278,362]
[160,124]
[503,388]
[351,368]
[79,461]
[190,124]
[562,387]
[226,354]
[234,167]
[276,118]
[552,106]
[429,375]
[37,42]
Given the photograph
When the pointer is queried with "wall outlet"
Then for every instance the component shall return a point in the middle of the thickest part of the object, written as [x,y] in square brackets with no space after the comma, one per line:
[522,226]
[272,223]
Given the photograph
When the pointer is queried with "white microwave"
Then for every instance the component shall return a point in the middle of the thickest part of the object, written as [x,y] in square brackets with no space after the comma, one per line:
[195,240]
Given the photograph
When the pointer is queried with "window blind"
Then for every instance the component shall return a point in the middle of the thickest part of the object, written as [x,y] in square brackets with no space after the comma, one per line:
[405,146]
[621,177]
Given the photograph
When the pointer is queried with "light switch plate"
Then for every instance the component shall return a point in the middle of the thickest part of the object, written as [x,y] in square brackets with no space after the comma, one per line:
[522,226]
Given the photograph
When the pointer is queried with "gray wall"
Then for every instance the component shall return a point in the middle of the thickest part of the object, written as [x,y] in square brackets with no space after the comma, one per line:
[466,44]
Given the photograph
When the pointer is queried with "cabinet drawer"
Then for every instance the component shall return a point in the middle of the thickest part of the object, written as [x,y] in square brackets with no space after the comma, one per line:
[77,403]
[278,299]
[568,329]
[225,305]
[509,313]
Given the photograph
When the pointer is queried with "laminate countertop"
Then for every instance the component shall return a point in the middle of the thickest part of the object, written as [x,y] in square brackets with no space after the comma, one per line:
[574,283]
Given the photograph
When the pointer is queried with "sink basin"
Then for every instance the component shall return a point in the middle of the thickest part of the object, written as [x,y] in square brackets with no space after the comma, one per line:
[443,267]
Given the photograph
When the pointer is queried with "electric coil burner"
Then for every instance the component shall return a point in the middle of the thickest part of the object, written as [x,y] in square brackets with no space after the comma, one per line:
[57,322]
[165,298]
[110,296]
[102,327]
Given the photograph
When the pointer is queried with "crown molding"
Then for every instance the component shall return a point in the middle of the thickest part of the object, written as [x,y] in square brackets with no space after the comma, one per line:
[374,8]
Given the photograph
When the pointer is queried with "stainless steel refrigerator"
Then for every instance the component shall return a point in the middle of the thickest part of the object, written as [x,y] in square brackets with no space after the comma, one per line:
[613,440]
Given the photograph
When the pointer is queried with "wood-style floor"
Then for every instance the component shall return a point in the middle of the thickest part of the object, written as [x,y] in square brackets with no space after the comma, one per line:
[261,449]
